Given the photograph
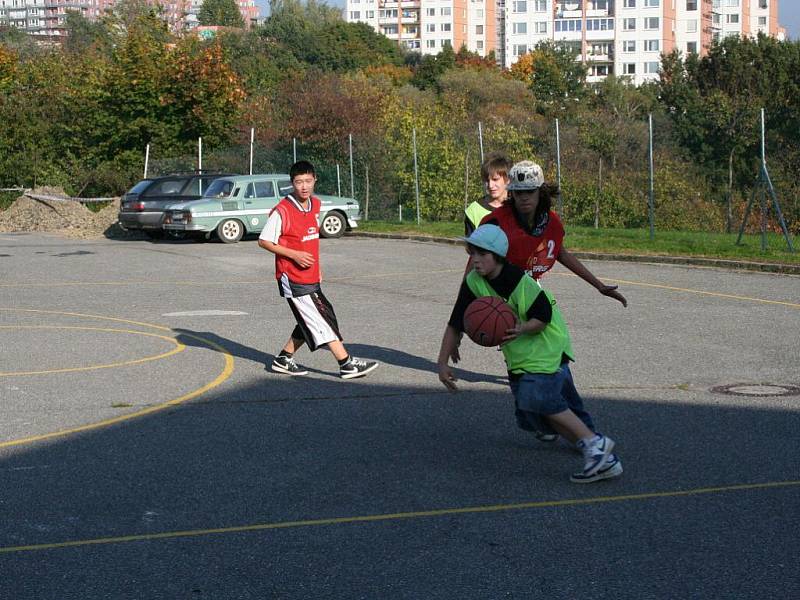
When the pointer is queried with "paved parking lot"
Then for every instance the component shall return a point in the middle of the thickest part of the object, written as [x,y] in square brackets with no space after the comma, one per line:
[146,451]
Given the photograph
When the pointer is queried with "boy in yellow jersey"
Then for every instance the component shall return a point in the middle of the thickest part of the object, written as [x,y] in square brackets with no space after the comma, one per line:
[494,173]
[537,351]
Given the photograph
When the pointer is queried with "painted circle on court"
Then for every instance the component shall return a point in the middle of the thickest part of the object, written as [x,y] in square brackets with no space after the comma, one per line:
[178,348]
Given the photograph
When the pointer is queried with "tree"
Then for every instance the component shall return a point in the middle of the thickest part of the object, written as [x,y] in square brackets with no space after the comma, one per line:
[224,13]
[557,80]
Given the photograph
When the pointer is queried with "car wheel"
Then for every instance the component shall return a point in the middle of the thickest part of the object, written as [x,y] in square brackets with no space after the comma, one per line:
[230,231]
[333,225]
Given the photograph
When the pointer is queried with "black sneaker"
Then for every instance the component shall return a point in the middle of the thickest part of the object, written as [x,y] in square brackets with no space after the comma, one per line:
[357,367]
[287,366]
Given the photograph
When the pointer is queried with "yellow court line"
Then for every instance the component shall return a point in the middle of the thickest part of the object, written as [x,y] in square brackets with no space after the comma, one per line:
[402,515]
[225,374]
[178,348]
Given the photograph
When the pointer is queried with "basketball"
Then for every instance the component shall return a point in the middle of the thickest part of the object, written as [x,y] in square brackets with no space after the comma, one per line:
[487,319]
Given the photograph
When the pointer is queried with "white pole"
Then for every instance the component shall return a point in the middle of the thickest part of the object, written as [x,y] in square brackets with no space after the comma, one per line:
[252,139]
[294,150]
[416,169]
[200,154]
[400,211]
[352,181]
[480,139]
[651,202]
[338,181]
[146,159]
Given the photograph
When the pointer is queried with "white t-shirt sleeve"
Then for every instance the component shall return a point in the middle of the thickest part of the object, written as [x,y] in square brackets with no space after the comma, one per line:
[272,230]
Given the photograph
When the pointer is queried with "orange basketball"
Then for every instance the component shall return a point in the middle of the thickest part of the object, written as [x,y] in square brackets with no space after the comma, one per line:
[487,319]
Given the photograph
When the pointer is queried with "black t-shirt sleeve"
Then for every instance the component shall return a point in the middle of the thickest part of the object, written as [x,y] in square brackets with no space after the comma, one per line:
[465,296]
[469,227]
[541,309]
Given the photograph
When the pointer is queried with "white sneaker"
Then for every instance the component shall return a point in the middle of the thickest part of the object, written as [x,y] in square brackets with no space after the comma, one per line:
[595,452]
[610,469]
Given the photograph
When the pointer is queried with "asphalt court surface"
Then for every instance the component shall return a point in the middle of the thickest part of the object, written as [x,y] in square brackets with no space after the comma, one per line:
[146,451]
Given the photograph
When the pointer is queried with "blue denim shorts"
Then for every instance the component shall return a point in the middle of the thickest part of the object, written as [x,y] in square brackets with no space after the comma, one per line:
[538,395]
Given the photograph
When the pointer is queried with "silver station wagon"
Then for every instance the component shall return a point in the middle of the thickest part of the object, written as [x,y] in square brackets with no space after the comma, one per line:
[233,206]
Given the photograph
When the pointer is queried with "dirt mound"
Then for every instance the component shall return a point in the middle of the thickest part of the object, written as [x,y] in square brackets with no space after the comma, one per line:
[59,214]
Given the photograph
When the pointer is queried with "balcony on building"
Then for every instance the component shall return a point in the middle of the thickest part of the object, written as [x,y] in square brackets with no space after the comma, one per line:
[569,9]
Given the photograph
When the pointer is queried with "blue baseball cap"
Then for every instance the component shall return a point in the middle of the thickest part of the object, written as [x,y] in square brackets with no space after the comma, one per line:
[489,237]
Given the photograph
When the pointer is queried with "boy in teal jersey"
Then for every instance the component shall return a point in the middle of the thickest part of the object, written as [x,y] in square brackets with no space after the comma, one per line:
[537,352]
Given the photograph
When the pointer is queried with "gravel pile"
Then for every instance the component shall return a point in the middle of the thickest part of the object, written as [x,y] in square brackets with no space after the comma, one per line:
[67,217]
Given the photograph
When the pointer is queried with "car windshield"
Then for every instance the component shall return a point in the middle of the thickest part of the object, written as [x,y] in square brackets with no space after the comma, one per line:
[220,188]
[137,189]
[166,187]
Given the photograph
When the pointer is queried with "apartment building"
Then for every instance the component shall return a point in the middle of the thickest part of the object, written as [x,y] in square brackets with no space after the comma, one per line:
[621,37]
[46,18]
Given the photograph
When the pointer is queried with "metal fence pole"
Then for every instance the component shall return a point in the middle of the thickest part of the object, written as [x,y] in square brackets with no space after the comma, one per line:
[294,150]
[416,170]
[252,138]
[338,181]
[558,170]
[480,139]
[146,159]
[651,200]
[200,154]
[352,181]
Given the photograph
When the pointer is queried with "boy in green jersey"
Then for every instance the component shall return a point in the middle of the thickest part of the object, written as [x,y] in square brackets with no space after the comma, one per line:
[537,351]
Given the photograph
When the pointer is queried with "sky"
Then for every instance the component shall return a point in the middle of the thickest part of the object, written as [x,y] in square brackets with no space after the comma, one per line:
[788,14]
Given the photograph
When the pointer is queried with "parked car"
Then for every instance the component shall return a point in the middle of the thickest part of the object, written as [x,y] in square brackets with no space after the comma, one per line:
[142,207]
[236,205]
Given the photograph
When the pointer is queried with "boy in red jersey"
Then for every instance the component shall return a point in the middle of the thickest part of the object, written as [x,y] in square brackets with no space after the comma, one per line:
[292,235]
[535,233]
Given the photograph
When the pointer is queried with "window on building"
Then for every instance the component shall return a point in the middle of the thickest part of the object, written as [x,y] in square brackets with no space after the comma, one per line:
[520,6]
[479,44]
[601,4]
[520,49]
[599,24]
[652,67]
[445,12]
[389,29]
[446,26]
[599,70]
[691,47]
[629,46]
[732,3]
[479,13]
[430,27]
[652,3]
[629,69]
[652,45]
[691,4]
[430,43]
[732,18]
[568,25]
[478,29]
[651,22]
[540,6]
[520,28]
[355,15]
[629,4]
[763,4]
[691,26]
[370,14]
[540,27]
[431,12]
[762,21]
[628,24]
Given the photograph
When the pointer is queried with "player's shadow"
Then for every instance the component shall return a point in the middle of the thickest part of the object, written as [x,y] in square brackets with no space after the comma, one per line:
[393,356]
[386,356]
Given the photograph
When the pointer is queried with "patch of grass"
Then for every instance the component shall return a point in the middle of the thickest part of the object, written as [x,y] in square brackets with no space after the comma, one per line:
[632,241]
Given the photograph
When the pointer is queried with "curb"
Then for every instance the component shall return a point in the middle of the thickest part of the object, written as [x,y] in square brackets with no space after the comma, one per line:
[742,265]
